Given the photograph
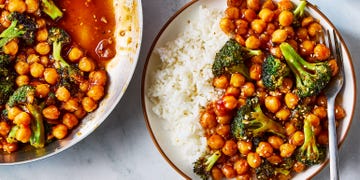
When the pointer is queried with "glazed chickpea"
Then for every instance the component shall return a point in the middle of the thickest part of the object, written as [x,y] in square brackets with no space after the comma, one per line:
[43,48]
[299,167]
[51,112]
[266,14]
[302,34]
[22,68]
[42,90]
[306,21]
[23,118]
[229,148]
[41,23]
[228,171]
[59,131]
[208,120]
[249,15]
[232,13]
[224,119]
[314,28]
[272,103]
[275,141]
[237,80]
[244,147]
[215,141]
[313,119]
[86,64]
[269,4]
[235,3]
[230,102]
[258,25]
[274,159]
[32,58]
[4,128]
[321,100]
[276,52]
[339,112]
[285,5]
[50,75]
[321,52]
[241,26]
[244,177]
[98,77]
[241,166]
[291,34]
[84,86]
[286,18]
[264,149]
[75,54]
[80,113]
[283,114]
[11,47]
[232,91]
[253,4]
[279,36]
[223,130]
[242,101]
[290,128]
[70,120]
[248,89]
[297,138]
[307,47]
[4,20]
[221,82]
[226,25]
[32,6]
[23,134]
[13,112]
[37,70]
[88,104]
[286,150]
[255,72]
[10,147]
[291,100]
[71,105]
[254,160]
[62,94]
[323,138]
[320,112]
[44,60]
[334,67]
[216,173]
[252,42]
[286,85]
[42,35]
[16,6]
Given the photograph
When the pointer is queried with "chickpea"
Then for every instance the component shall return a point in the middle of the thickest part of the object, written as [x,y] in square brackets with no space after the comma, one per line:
[253,4]
[284,5]
[252,42]
[80,113]
[221,82]
[286,18]
[42,90]
[291,34]
[234,3]
[10,147]
[249,15]
[23,134]
[4,20]
[224,119]
[71,105]
[339,112]
[44,60]
[307,47]
[75,54]
[258,59]
[275,141]
[13,112]
[237,80]
[313,119]
[11,48]
[286,85]
[254,160]
[232,13]
[242,101]
[32,58]
[276,52]
[96,92]
[291,100]
[62,94]
[43,48]
[86,64]
[22,68]
[240,39]
[16,6]
[290,128]
[283,114]
[37,70]
[269,4]
[216,173]
[248,89]
[272,103]
[229,148]
[299,167]
[50,75]
[321,101]
[258,25]
[4,128]
[320,112]
[314,28]
[23,118]
[306,21]
[286,150]
[264,149]
[230,102]
[241,166]
[208,120]
[32,6]
[334,67]
[302,34]
[41,23]
[266,15]
[51,112]
[255,72]
[297,138]
[244,177]
[98,77]
[274,159]
[88,104]
[227,26]
[232,91]
[59,131]
[215,141]
[279,36]
[323,138]
[241,26]
[223,130]
[244,147]
[42,35]
[70,120]
[228,171]
[321,52]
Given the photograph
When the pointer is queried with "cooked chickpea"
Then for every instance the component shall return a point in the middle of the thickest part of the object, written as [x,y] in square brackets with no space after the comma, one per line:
[224,119]
[291,100]
[334,67]
[249,15]
[248,89]
[286,150]
[10,147]
[275,141]
[13,112]
[43,48]
[232,13]
[307,47]
[252,42]
[306,21]
[75,54]
[84,86]
[283,114]
[11,48]
[299,167]
[96,92]
[4,20]
[264,149]
[32,58]
[241,166]
[86,64]
[284,5]
[216,173]
[228,171]
[62,94]
[297,138]
[51,112]
[234,3]
[266,14]
[272,103]
[32,6]
[59,131]
[339,112]
[221,82]
[244,147]
[254,160]
[208,120]
[274,159]
[276,52]
[71,105]
[223,130]
[314,28]
[88,104]
[230,102]
[323,138]
[16,6]
[269,4]
[23,134]
[50,75]
[37,70]
[255,71]
[4,128]
[313,119]
[70,120]
[215,141]
[80,113]
[320,112]
[290,128]
[232,91]
[241,26]
[321,52]
[226,25]
[229,148]
[44,60]
[258,25]
[237,80]
[98,77]
[286,18]
[22,80]
[302,34]
[279,36]
[23,118]
[22,68]
[42,35]
[253,4]
[42,90]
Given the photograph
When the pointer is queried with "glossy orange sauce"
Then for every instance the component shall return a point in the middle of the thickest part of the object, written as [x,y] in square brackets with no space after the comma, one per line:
[91,24]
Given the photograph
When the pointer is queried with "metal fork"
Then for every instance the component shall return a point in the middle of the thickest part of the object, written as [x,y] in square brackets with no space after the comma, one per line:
[331,92]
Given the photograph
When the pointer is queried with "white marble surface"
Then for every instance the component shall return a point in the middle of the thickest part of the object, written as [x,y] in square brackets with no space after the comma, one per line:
[121,147]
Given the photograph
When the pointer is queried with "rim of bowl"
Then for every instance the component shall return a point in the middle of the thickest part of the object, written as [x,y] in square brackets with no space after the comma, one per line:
[164,27]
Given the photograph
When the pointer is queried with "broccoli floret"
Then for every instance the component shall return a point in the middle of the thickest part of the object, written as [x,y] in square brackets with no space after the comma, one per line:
[202,167]
[7,78]
[50,8]
[273,72]
[299,13]
[11,138]
[311,78]
[58,38]
[231,59]
[310,152]
[24,98]
[22,26]
[250,121]
[268,171]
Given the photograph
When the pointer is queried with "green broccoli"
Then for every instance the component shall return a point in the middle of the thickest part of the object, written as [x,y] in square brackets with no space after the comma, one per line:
[22,26]
[58,38]
[50,8]
[11,138]
[204,164]
[299,13]
[231,59]
[311,78]
[310,152]
[7,78]
[250,121]
[269,171]
[273,72]
[24,98]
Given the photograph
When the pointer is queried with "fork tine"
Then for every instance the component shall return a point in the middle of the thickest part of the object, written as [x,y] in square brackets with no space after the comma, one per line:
[339,56]
[330,44]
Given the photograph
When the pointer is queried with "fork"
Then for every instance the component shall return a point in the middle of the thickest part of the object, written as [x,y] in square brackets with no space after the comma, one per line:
[333,88]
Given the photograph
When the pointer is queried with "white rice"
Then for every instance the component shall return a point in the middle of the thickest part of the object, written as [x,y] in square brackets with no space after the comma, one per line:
[183,82]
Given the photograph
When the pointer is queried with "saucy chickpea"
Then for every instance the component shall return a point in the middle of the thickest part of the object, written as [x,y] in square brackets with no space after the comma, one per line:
[228,171]
[272,103]
[244,147]
[264,149]
[286,150]
[275,142]
[216,141]
[208,120]
[59,131]
[229,148]
[253,159]
[241,166]
[51,112]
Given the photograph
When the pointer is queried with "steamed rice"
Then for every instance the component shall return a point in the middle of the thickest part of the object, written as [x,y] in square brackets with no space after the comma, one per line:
[183,81]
